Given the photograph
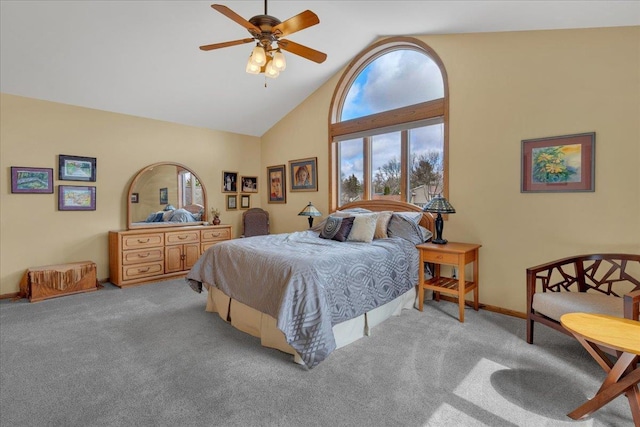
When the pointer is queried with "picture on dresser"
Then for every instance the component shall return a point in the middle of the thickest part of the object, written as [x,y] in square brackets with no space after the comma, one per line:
[76,198]
[76,168]
[31,180]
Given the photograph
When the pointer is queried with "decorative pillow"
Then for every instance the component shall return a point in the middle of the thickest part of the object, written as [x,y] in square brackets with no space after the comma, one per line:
[405,225]
[382,224]
[426,234]
[364,227]
[155,217]
[337,228]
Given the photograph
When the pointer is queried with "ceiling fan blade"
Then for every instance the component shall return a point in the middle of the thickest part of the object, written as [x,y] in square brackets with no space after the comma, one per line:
[301,50]
[237,18]
[299,22]
[225,44]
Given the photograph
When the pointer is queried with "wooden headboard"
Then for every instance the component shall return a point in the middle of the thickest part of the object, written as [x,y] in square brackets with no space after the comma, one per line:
[395,206]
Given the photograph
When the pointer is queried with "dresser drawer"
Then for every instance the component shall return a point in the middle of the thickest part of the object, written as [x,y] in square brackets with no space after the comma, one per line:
[130,272]
[141,256]
[440,258]
[215,235]
[179,237]
[142,241]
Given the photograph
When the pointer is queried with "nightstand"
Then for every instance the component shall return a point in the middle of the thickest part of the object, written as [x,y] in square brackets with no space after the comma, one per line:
[457,255]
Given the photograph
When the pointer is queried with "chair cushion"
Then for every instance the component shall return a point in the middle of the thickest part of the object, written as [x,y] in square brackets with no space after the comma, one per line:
[555,304]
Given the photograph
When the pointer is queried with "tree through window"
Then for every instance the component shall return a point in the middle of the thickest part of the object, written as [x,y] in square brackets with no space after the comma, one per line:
[389,125]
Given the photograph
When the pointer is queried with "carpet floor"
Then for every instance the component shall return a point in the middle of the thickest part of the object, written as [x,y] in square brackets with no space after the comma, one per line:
[151,356]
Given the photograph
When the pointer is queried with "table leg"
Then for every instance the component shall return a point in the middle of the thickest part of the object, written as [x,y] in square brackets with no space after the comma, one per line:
[476,279]
[421,283]
[612,387]
[461,290]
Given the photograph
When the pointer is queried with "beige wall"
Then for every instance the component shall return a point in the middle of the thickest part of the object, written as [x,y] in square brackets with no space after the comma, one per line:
[506,87]
[33,133]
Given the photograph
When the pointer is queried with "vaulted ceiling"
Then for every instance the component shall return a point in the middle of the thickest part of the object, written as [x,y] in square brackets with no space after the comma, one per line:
[142,58]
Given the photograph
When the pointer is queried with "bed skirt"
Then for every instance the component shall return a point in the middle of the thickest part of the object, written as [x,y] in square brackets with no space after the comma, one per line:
[263,326]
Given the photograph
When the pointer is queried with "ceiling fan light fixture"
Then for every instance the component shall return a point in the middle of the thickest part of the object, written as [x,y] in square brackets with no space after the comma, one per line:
[252,68]
[279,63]
[271,71]
[258,56]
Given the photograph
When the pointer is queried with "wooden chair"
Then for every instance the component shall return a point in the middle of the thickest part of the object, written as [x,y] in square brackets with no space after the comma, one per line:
[255,222]
[596,283]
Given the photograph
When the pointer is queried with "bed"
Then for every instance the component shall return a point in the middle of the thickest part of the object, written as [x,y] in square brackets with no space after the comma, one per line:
[308,296]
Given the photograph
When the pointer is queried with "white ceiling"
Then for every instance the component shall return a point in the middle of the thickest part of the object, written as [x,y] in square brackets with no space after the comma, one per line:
[142,57]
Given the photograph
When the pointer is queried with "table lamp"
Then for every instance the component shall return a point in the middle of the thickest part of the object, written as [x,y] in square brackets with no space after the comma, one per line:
[439,205]
[310,211]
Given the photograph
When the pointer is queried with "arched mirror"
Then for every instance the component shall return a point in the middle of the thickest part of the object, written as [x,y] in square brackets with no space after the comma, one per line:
[166,194]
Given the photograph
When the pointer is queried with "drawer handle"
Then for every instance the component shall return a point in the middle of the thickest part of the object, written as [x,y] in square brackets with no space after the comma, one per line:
[144,255]
[143,241]
[183,237]
[438,256]
[143,270]
[216,234]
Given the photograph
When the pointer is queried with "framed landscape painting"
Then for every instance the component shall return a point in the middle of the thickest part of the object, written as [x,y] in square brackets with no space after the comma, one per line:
[76,168]
[76,198]
[31,180]
[559,164]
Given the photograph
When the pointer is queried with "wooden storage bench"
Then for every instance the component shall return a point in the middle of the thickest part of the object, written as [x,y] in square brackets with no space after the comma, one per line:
[52,281]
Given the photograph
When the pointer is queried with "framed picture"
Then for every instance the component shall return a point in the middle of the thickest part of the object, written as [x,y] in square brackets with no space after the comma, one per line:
[229,182]
[76,198]
[245,201]
[559,164]
[31,180]
[164,196]
[76,168]
[135,197]
[276,177]
[249,184]
[232,202]
[304,174]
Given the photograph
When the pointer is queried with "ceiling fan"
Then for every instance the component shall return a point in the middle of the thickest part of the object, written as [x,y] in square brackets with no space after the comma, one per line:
[267,31]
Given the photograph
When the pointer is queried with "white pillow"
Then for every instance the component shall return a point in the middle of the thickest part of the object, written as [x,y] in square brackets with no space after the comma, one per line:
[364,227]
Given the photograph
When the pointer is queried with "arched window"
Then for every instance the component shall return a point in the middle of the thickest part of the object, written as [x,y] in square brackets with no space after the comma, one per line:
[388,125]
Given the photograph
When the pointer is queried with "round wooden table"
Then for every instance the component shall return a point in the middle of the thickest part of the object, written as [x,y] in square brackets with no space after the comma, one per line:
[623,337]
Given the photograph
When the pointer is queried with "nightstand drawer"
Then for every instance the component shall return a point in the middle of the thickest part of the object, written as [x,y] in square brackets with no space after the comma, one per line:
[440,258]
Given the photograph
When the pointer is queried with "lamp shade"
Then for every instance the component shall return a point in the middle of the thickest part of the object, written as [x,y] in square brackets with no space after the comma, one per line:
[310,211]
[439,205]
[258,56]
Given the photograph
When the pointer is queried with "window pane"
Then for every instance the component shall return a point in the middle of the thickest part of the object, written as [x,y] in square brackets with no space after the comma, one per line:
[385,166]
[396,79]
[426,145]
[351,163]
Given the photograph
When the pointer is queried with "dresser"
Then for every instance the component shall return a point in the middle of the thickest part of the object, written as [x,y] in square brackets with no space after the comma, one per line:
[141,256]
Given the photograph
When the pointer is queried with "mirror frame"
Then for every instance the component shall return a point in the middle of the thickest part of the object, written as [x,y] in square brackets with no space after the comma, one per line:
[141,172]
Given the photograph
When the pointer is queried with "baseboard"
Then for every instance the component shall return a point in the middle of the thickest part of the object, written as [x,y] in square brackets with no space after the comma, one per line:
[10,295]
[487,307]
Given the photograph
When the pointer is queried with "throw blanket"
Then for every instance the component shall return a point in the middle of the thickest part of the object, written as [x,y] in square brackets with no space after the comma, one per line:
[309,284]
